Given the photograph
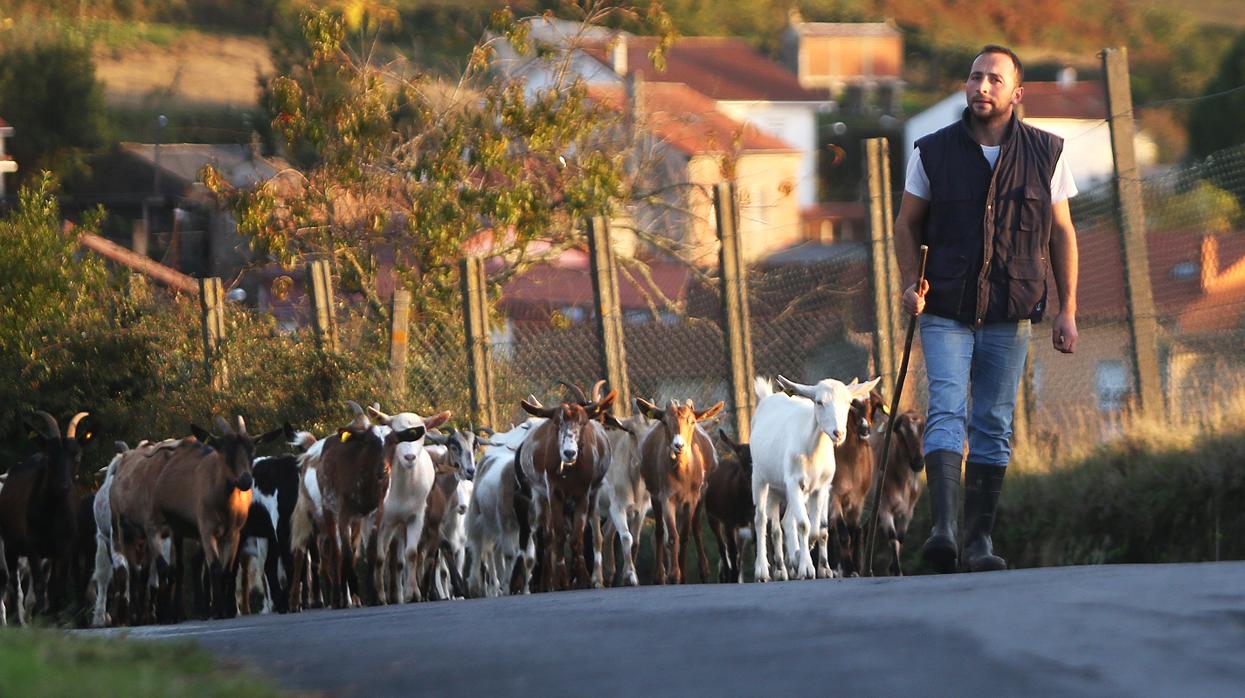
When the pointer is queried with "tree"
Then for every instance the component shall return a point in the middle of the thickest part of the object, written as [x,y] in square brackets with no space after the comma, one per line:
[425,167]
[1215,123]
[49,94]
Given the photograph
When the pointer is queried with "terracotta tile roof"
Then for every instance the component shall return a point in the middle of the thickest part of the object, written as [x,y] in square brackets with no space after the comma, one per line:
[1079,100]
[569,283]
[723,68]
[1101,295]
[688,120]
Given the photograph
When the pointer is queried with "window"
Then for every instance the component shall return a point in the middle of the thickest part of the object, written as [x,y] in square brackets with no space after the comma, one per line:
[1111,383]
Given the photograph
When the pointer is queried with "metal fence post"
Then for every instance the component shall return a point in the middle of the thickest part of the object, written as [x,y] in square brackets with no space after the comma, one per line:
[883,269]
[399,331]
[323,315]
[212,305]
[609,314]
[736,318]
[1130,215]
[476,331]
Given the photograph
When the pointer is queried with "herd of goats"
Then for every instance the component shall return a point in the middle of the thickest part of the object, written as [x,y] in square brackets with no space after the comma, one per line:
[397,508]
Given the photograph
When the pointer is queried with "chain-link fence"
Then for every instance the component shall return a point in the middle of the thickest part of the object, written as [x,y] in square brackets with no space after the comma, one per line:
[813,316]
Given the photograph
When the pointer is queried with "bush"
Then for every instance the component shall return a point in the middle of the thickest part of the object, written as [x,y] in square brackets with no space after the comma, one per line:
[51,98]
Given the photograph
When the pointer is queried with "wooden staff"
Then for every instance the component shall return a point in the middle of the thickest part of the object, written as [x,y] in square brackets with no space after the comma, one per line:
[871,537]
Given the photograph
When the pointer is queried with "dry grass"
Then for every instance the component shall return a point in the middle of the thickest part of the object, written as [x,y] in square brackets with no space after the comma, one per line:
[190,69]
[1202,411]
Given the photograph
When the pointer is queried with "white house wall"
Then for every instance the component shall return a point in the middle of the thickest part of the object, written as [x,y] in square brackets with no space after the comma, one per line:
[1087,142]
[794,123]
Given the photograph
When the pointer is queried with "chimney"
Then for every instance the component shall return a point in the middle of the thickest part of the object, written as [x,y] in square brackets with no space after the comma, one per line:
[1209,262]
[618,55]
[1066,78]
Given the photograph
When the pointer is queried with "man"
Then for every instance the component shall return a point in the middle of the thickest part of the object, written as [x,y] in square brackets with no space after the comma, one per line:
[989,196]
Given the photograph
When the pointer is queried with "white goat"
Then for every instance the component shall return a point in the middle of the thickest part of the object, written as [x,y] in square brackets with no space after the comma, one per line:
[492,525]
[454,533]
[793,440]
[107,560]
[624,498]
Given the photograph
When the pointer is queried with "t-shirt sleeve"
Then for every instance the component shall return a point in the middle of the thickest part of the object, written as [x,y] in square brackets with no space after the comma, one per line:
[1062,186]
[916,182]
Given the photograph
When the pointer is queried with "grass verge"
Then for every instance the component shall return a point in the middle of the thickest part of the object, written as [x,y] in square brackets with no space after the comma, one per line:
[38,662]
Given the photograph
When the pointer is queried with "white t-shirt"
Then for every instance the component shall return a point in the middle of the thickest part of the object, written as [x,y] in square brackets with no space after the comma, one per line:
[1062,186]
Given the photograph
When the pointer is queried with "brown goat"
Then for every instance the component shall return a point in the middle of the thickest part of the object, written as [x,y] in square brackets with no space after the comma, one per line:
[853,478]
[197,488]
[564,460]
[675,458]
[728,504]
[903,485]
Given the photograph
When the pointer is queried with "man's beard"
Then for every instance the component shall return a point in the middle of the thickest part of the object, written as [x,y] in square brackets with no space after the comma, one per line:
[997,115]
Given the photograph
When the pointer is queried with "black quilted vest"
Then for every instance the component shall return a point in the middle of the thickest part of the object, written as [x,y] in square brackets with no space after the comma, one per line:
[988,231]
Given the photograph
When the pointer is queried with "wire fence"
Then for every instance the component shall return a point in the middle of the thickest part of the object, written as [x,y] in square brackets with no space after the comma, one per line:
[814,318]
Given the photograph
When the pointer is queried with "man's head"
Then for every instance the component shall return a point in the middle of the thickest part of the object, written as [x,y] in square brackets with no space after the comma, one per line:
[995,84]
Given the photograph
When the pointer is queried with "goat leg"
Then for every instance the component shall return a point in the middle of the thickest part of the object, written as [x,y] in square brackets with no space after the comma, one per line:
[702,560]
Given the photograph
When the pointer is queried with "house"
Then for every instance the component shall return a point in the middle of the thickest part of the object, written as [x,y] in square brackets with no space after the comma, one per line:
[742,83]
[1207,355]
[1074,110]
[866,57]
[1198,285]
[698,147]
[7,164]
[160,209]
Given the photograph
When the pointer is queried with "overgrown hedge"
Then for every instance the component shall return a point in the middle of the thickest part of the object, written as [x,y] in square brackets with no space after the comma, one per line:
[76,335]
[1130,501]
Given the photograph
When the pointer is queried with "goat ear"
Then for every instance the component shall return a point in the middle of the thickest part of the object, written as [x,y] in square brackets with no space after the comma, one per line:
[862,390]
[536,410]
[437,420]
[203,435]
[272,435]
[604,403]
[121,446]
[611,422]
[649,410]
[371,410]
[711,412]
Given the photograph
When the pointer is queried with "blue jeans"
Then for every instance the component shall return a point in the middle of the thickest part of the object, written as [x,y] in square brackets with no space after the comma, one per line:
[987,364]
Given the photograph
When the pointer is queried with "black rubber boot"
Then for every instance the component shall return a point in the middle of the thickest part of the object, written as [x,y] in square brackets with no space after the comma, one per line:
[982,485]
[942,476]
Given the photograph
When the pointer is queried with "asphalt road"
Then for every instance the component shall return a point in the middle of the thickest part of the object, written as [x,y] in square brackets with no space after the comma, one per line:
[1173,630]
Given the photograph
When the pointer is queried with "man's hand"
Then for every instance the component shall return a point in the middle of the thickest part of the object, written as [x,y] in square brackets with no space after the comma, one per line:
[1063,333]
[914,301]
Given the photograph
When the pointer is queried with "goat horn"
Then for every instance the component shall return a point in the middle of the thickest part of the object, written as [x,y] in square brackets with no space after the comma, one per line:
[71,431]
[796,388]
[51,429]
[596,390]
[354,407]
[532,399]
[222,425]
[239,424]
[486,431]
[578,391]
